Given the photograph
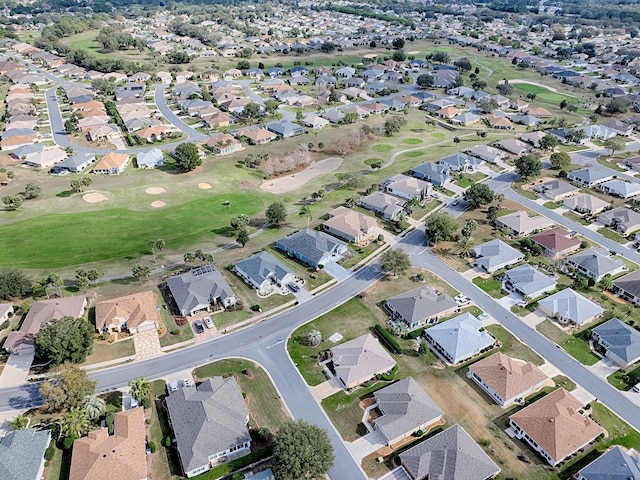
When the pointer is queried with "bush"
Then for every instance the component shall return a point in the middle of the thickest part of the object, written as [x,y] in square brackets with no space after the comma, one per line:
[167,442]
[5,324]
[380,238]
[68,442]
[175,331]
[388,339]
[255,308]
[146,402]
[419,433]
[49,452]
[152,447]
[391,375]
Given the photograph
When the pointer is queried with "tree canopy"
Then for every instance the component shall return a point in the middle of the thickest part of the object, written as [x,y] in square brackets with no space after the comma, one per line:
[67,339]
[615,144]
[528,166]
[425,81]
[441,227]
[560,160]
[395,261]
[478,194]
[301,451]
[68,389]
[14,283]
[187,156]
[276,213]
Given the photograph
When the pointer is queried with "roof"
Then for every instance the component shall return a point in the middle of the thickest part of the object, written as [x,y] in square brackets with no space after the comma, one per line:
[360,358]
[459,160]
[485,152]
[461,337]
[135,309]
[621,188]
[622,215]
[405,184]
[585,201]
[623,340]
[22,453]
[349,222]
[198,287]
[528,280]
[310,244]
[615,464]
[152,157]
[405,407]
[121,456]
[630,283]
[556,240]
[76,161]
[569,304]
[507,376]
[512,145]
[554,423]
[208,419]
[449,455]
[522,223]
[553,188]
[42,312]
[596,261]
[420,303]
[387,204]
[589,175]
[496,253]
[111,160]
[262,266]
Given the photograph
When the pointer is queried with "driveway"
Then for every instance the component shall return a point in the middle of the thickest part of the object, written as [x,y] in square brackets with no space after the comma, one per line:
[16,371]
[337,271]
[604,368]
[302,295]
[398,474]
[370,443]
[326,389]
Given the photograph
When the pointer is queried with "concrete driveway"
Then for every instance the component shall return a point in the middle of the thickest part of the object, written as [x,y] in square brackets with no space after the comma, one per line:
[337,271]
[16,371]
[604,368]
[367,445]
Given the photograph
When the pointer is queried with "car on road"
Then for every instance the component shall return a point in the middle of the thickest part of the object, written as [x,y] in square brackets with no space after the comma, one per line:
[208,322]
[483,316]
[198,327]
[293,287]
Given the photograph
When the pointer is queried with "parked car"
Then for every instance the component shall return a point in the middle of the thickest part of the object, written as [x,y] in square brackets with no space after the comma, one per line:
[483,316]
[455,202]
[198,327]
[187,383]
[461,299]
[208,322]
[293,287]
[173,386]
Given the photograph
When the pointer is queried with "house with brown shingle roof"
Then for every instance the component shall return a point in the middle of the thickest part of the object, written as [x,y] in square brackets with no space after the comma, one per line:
[520,223]
[112,164]
[349,225]
[554,427]
[133,313]
[505,379]
[556,242]
[359,360]
[121,456]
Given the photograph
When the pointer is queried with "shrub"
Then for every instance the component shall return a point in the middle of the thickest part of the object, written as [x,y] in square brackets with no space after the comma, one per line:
[146,402]
[255,308]
[5,324]
[380,238]
[167,441]
[49,452]
[175,331]
[388,339]
[152,447]
[391,375]
[68,442]
[264,433]
[419,433]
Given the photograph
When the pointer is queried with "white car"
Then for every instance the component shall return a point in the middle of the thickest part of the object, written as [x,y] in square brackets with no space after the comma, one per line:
[187,383]
[208,322]
[483,316]
[173,386]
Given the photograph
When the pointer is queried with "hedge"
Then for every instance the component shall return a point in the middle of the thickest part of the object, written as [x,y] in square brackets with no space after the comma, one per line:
[388,339]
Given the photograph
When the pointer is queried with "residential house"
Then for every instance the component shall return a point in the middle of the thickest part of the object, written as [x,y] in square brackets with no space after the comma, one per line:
[406,408]
[315,121]
[432,172]
[210,424]
[256,136]
[449,455]
[22,454]
[46,158]
[589,177]
[596,263]
[501,123]
[538,112]
[534,138]
[112,164]
[264,272]
[460,162]
[106,132]
[614,464]
[628,287]
[620,188]
[623,220]
[198,289]
[351,226]
[152,134]
[528,281]
[360,360]
[505,379]
[556,242]
[494,255]
[285,128]
[388,207]
[514,146]
[568,306]
[41,313]
[420,306]
[76,163]
[466,119]
[224,144]
[554,427]
[585,203]
[619,127]
[138,312]
[406,187]
[620,341]
[486,153]
[122,455]
[633,163]
[312,247]
[520,223]
[555,190]
[152,159]
[458,339]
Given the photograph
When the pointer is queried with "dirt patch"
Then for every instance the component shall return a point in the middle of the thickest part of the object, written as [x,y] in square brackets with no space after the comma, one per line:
[292,182]
[155,190]
[94,197]
[204,186]
[614,298]
[158,204]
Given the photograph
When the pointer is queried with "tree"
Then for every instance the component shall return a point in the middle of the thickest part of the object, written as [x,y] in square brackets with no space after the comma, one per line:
[395,261]
[425,81]
[152,246]
[441,57]
[560,160]
[606,282]
[189,257]
[76,185]
[14,283]
[487,104]
[13,202]
[618,105]
[463,64]
[31,191]
[276,213]
[19,422]
[92,275]
[69,127]
[528,166]
[75,423]
[397,43]
[139,271]
[479,84]
[301,451]
[492,214]
[580,282]
[243,65]
[376,164]
[187,156]
[615,144]
[464,246]
[68,389]
[549,142]
[393,124]
[239,222]
[399,56]
[86,181]
[478,194]
[505,88]
[313,338]
[469,227]
[67,339]
[140,388]
[251,111]
[243,237]
[94,407]
[441,227]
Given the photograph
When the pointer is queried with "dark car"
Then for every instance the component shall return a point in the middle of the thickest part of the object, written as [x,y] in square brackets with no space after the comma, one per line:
[198,327]
[293,287]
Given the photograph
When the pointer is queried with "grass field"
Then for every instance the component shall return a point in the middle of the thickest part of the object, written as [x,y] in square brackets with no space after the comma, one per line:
[542,94]
[489,285]
[87,41]
[573,345]
[103,352]
[611,235]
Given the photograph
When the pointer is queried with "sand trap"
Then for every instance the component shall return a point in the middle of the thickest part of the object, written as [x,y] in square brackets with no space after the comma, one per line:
[204,186]
[94,197]
[413,52]
[155,190]
[295,181]
[158,204]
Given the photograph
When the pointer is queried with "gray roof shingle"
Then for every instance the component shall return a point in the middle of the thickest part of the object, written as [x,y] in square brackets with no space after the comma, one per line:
[261,267]
[616,464]
[198,288]
[623,340]
[420,303]
[22,452]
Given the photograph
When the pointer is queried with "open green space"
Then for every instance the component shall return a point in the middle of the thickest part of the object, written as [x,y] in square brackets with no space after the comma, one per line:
[414,153]
[412,141]
[625,379]
[382,147]
[573,344]
[611,235]
[551,205]
[371,161]
[512,346]
[489,285]
[542,94]
[103,352]
[51,241]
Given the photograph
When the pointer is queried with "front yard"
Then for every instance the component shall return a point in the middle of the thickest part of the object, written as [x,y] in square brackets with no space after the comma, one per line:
[625,379]
[490,285]
[572,344]
[611,235]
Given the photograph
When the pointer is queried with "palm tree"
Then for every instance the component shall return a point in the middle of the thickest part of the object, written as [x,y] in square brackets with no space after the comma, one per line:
[20,422]
[152,246]
[94,407]
[160,244]
[189,257]
[314,338]
[140,388]
[465,244]
[305,210]
[75,423]
[607,282]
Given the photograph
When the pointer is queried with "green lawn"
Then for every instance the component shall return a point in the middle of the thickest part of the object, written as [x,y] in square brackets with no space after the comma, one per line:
[512,346]
[414,153]
[551,205]
[103,352]
[576,218]
[490,285]
[574,346]
[412,141]
[624,379]
[381,148]
[370,161]
[74,239]
[611,235]
[185,331]
[564,382]
[166,462]
[543,94]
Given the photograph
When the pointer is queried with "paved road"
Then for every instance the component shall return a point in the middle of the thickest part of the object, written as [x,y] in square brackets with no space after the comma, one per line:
[161,101]
[588,158]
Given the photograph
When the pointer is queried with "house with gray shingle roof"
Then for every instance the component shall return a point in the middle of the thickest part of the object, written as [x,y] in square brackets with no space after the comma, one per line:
[406,408]
[555,190]
[619,188]
[585,203]
[406,187]
[75,163]
[22,454]
[264,272]
[568,306]
[461,162]
[198,289]
[596,263]
[628,287]
[449,455]
[312,247]
[615,464]
[210,424]
[359,360]
[432,172]
[494,255]
[528,281]
[458,339]
[387,206]
[151,159]
[420,306]
[520,223]
[589,177]
[486,153]
[621,341]
[623,220]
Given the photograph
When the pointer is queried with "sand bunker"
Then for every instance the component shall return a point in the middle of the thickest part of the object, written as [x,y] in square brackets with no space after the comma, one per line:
[158,204]
[155,190]
[295,181]
[94,197]
[413,52]
[204,186]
